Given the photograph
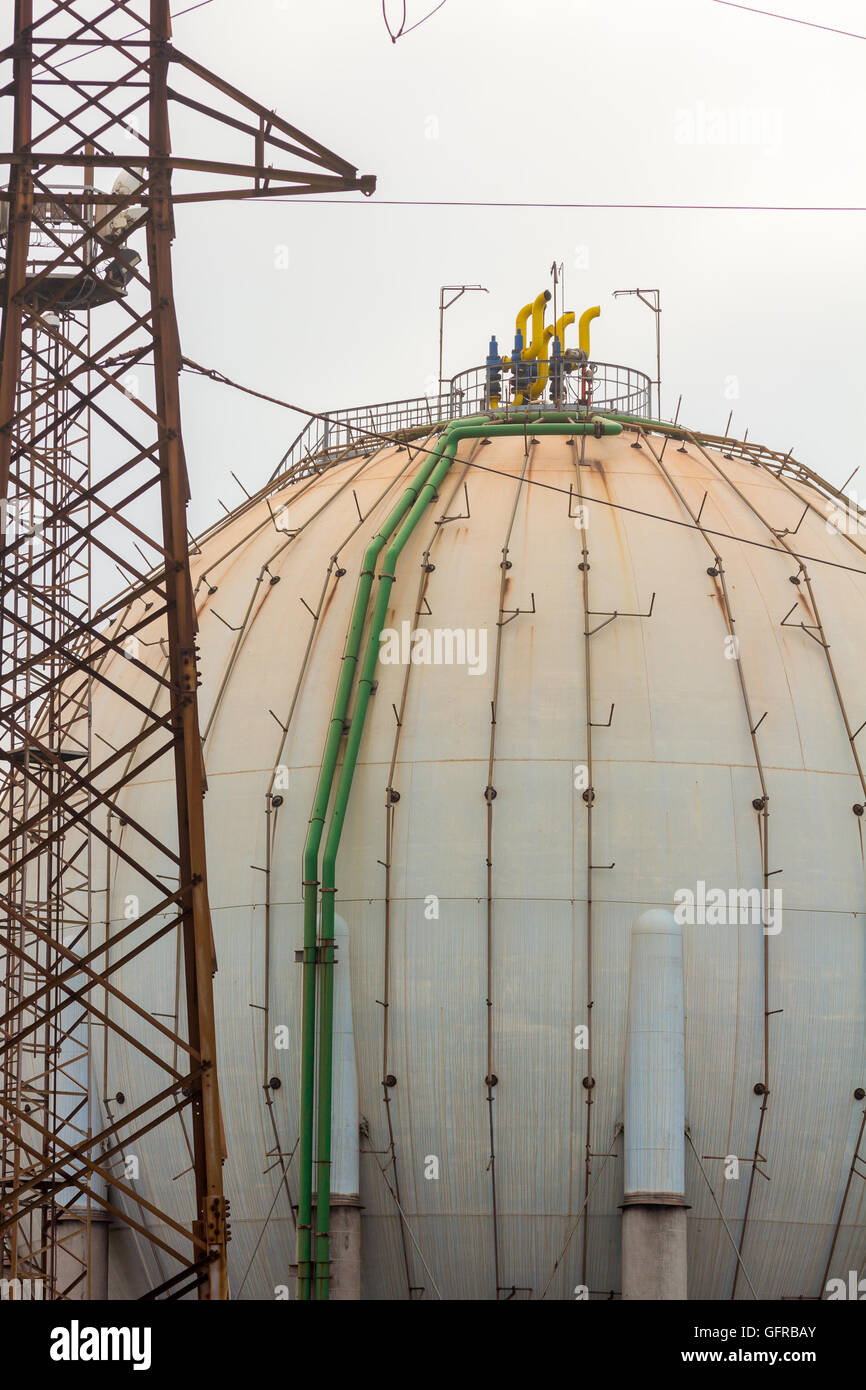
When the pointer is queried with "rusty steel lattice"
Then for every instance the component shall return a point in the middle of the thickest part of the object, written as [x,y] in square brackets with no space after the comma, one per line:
[93,480]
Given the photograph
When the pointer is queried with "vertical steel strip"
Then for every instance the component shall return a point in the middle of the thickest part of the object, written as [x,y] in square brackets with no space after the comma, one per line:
[189,767]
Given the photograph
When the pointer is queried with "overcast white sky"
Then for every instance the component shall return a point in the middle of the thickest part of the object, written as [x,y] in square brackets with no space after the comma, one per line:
[678,101]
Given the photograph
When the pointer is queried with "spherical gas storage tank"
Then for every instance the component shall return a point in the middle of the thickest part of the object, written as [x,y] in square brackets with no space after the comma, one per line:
[618,673]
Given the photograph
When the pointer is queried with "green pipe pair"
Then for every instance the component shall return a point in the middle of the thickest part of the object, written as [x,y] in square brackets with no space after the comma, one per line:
[311,862]
[662,426]
[402,520]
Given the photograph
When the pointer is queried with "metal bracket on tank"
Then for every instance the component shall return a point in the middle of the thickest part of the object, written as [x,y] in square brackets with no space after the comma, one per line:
[515,612]
[459,516]
[809,628]
[617,613]
[315,955]
[788,531]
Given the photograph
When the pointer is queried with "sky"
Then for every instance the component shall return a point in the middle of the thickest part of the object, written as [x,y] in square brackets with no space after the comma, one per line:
[555,101]
[558,101]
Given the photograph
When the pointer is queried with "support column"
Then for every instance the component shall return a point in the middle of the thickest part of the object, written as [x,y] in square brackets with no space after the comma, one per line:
[345,1247]
[654,1210]
[344,1243]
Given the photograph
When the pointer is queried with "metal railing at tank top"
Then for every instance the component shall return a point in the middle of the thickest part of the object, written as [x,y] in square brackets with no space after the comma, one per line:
[844,513]
[347,433]
[344,433]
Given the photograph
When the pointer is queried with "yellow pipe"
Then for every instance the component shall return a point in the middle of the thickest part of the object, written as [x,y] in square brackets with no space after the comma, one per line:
[586,319]
[538,344]
[521,322]
[538,386]
[561,324]
[536,350]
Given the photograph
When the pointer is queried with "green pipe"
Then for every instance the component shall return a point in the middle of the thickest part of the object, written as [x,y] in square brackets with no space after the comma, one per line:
[466,429]
[664,426]
[311,862]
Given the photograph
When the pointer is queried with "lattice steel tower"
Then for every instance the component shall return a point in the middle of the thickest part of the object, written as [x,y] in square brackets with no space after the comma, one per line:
[93,476]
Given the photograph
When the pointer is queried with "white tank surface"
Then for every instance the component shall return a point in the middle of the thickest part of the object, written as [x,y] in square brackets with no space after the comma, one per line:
[623,710]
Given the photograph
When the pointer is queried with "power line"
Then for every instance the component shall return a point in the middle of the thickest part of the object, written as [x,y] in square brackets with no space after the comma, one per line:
[403,31]
[671,520]
[419,22]
[721,1214]
[790,19]
[639,207]
[281,1185]
[143,29]
[392,36]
